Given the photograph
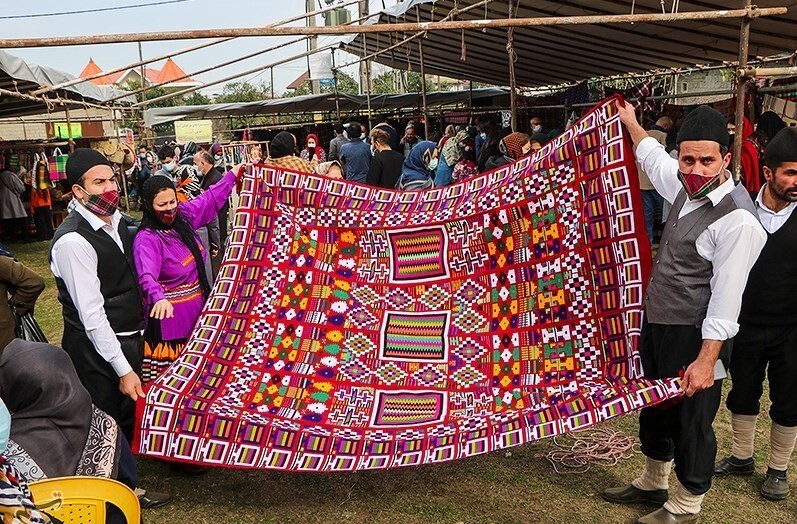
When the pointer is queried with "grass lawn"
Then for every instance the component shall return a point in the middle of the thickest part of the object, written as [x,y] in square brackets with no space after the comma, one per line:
[505,488]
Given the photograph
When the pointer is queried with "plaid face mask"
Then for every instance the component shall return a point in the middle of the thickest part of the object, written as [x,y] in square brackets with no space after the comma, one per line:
[167,216]
[697,186]
[104,204]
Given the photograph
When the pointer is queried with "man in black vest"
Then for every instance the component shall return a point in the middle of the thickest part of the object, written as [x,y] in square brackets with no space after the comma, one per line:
[91,257]
[767,339]
[711,241]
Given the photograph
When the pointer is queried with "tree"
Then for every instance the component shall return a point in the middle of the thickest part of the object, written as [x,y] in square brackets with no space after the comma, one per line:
[346,84]
[384,83]
[243,92]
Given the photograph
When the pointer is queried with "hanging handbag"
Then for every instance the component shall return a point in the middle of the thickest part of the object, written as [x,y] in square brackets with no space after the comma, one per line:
[57,165]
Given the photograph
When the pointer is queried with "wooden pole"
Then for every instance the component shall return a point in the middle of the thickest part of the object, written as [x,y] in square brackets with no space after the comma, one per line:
[752,12]
[143,74]
[69,130]
[512,57]
[741,92]
[424,107]
[177,53]
[238,75]
[335,85]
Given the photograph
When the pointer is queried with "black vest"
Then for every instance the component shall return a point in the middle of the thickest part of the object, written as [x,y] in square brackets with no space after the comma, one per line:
[116,272]
[770,298]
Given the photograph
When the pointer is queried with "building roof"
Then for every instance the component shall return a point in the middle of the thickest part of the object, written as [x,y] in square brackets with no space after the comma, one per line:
[296,84]
[171,73]
[550,55]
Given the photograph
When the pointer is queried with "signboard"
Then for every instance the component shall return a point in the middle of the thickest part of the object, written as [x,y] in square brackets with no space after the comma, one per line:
[197,131]
[61,130]
[127,136]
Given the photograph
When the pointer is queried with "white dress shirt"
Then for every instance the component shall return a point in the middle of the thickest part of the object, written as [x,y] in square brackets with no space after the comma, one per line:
[74,261]
[732,243]
[771,220]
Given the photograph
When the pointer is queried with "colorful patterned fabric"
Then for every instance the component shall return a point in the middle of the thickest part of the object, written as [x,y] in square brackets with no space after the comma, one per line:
[354,327]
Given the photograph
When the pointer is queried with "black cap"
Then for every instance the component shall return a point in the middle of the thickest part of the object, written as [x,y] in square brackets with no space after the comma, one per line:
[782,147]
[81,161]
[705,123]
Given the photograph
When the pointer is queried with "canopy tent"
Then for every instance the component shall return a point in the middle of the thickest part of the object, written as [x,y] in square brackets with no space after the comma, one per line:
[16,75]
[318,103]
[548,55]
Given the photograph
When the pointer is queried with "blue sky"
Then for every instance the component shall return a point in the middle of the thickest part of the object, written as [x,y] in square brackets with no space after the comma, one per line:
[192,14]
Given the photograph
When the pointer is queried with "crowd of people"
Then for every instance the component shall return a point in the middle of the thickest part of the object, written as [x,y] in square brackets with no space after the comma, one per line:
[132,290]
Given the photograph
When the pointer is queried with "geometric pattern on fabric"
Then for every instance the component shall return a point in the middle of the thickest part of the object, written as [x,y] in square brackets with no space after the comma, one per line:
[354,328]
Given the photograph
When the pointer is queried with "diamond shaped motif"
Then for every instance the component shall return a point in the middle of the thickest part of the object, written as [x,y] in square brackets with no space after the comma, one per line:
[365,294]
[470,292]
[469,320]
[355,370]
[429,376]
[359,344]
[390,373]
[468,376]
[435,297]
[469,350]
[361,317]
[399,299]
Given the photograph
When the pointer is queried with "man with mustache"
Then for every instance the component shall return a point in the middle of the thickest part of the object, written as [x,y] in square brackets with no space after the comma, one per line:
[767,339]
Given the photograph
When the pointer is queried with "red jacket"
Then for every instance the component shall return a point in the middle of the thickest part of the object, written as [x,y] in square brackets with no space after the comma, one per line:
[751,168]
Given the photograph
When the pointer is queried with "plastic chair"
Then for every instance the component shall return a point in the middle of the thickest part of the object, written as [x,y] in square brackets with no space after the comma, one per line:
[83,499]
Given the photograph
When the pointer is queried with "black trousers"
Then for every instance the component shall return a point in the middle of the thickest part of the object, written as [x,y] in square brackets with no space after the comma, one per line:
[99,378]
[43,218]
[760,351]
[680,431]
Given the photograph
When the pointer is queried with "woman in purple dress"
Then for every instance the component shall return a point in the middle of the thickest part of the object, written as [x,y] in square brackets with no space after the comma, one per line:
[171,265]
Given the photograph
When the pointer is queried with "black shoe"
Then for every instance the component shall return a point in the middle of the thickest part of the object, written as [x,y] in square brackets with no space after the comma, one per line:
[734,466]
[152,499]
[775,486]
[632,495]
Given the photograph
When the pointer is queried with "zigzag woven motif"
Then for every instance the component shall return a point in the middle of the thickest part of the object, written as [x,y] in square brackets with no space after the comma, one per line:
[357,328]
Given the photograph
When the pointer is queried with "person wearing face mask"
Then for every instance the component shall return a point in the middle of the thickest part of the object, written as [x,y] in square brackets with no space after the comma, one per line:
[418,170]
[168,160]
[767,341]
[312,150]
[535,124]
[511,148]
[171,266]
[91,257]
[710,243]
[217,229]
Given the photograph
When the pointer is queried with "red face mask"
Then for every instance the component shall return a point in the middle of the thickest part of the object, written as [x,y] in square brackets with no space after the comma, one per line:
[167,216]
[104,204]
[697,186]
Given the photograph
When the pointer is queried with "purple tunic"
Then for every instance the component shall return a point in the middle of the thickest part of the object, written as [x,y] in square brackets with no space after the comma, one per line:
[166,267]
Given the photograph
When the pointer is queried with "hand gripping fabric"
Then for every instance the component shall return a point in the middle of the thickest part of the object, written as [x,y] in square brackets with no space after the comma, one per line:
[356,328]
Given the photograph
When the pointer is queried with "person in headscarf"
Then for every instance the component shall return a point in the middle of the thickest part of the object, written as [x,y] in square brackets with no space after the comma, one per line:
[312,151]
[450,154]
[282,149]
[418,169]
[450,132]
[490,147]
[55,429]
[466,167]
[19,288]
[512,147]
[751,164]
[767,126]
[171,265]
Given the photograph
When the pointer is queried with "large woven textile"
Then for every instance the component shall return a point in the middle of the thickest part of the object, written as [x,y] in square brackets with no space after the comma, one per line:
[358,328]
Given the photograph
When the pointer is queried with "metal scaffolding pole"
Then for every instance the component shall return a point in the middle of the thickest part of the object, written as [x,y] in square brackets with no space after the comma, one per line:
[423,91]
[741,92]
[750,12]
[69,130]
[512,58]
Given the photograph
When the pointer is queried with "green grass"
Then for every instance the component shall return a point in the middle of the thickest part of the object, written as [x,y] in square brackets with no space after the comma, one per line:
[507,488]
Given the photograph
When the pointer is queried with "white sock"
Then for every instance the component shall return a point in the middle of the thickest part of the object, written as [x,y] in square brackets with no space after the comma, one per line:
[782,441]
[656,475]
[682,502]
[743,435]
